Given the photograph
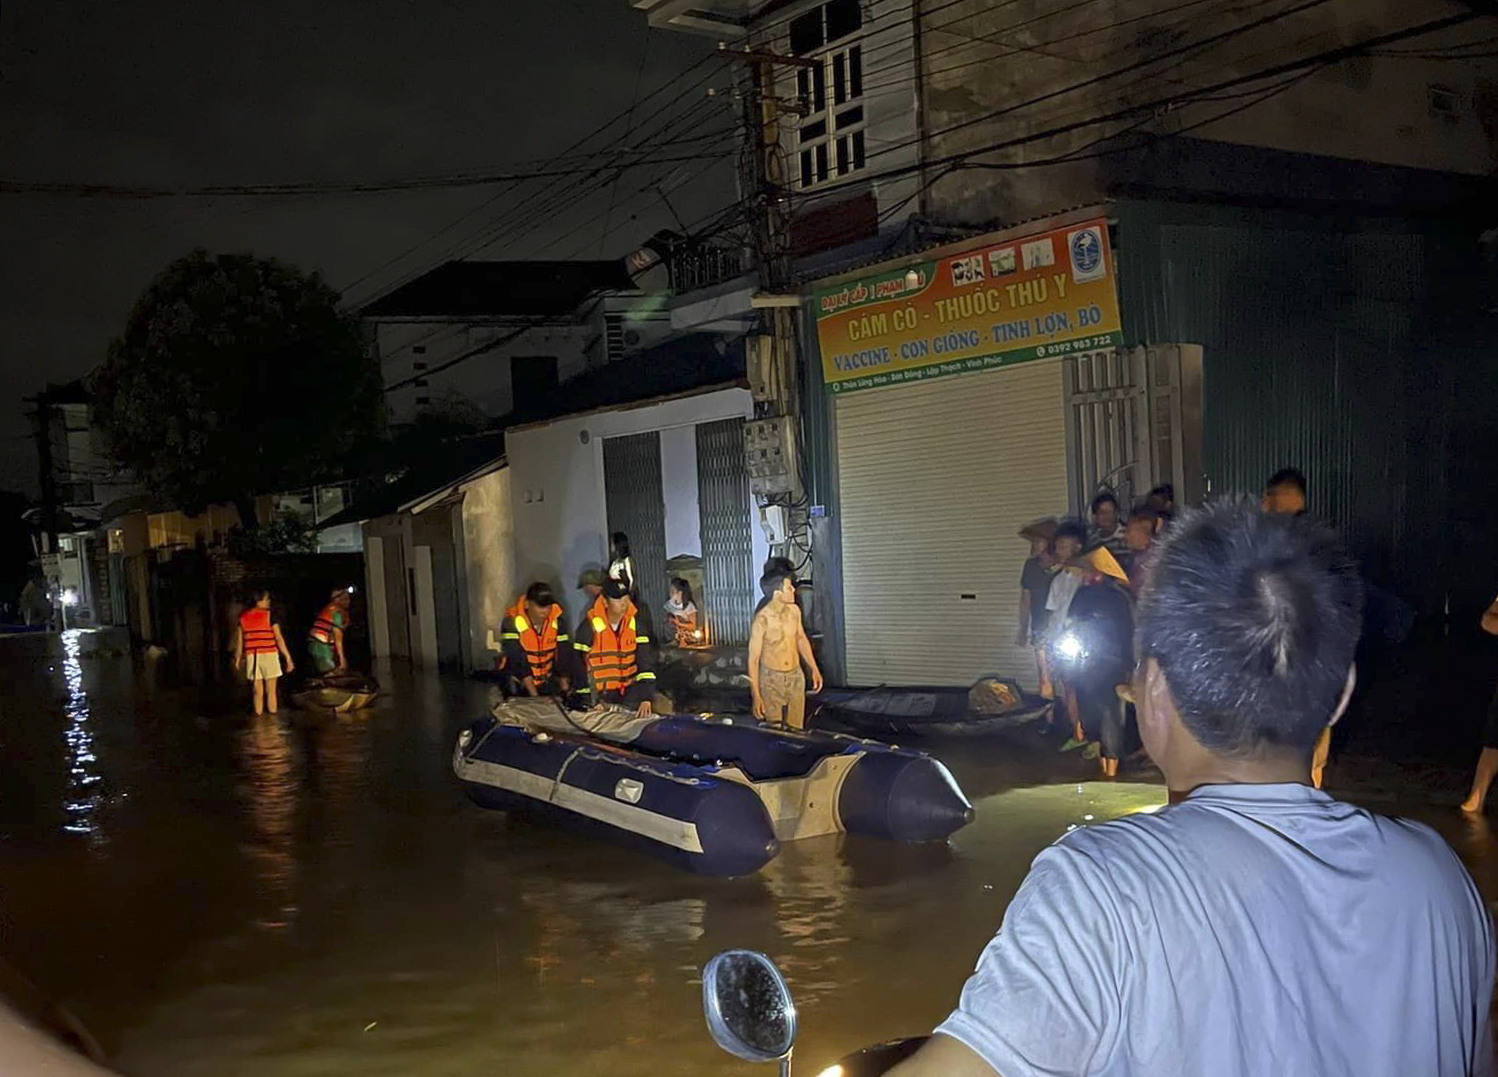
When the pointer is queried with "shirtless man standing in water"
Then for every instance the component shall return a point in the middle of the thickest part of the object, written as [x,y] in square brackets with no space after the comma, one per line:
[777,645]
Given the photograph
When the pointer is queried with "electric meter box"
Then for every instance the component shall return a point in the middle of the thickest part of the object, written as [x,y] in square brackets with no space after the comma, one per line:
[770,455]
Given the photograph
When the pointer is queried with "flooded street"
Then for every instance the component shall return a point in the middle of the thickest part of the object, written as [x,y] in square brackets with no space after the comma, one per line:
[217,895]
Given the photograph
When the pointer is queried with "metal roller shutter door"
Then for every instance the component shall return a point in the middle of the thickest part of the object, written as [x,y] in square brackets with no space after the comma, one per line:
[635,505]
[935,480]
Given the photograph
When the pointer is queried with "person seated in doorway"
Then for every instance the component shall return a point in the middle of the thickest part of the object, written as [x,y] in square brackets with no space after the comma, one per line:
[618,656]
[535,650]
[778,644]
[259,649]
[325,637]
[681,615]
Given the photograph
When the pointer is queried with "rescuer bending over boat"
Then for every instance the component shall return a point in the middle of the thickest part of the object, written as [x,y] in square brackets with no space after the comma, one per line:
[618,655]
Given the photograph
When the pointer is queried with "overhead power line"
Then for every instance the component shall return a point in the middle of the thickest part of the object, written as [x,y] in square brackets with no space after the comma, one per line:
[1148,109]
[284,190]
[1324,58]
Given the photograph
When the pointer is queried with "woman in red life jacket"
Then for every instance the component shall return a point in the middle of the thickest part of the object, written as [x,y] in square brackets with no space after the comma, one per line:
[259,649]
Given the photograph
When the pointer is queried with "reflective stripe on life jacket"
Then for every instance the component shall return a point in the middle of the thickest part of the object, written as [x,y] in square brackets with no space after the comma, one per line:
[323,625]
[540,646]
[255,628]
[611,656]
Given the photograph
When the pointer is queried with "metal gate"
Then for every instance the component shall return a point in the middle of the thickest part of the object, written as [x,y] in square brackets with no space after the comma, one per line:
[727,553]
[632,492]
[1133,421]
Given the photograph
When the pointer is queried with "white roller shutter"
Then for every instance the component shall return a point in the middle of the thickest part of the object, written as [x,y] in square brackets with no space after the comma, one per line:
[935,480]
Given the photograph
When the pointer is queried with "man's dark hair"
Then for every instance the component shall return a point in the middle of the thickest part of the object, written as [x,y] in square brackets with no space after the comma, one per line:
[1070,529]
[1253,618]
[1287,476]
[769,583]
[1102,499]
[613,588]
[1144,512]
[780,564]
[540,594]
[1165,492]
[257,593]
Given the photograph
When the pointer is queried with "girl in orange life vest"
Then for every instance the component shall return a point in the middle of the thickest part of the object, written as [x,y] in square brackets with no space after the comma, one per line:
[258,650]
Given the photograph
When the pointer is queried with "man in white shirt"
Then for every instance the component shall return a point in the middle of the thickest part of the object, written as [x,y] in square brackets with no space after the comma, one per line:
[1255,926]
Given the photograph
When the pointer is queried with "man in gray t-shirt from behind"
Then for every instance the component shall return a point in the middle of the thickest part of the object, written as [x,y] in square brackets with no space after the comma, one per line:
[1256,925]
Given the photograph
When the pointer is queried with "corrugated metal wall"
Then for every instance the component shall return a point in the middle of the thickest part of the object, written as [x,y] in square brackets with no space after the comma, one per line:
[632,493]
[1321,352]
[727,541]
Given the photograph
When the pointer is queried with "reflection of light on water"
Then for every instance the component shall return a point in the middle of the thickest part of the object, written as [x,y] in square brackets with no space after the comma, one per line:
[83,797]
[809,886]
[270,798]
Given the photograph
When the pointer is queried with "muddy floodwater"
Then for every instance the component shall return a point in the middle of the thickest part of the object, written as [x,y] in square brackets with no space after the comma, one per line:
[221,896]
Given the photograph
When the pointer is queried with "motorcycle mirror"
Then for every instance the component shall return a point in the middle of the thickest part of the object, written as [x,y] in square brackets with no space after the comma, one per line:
[748,1007]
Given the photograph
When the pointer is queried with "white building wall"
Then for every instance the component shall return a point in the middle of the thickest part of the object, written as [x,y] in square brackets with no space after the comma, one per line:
[679,489]
[489,548]
[480,384]
[889,101]
[557,487]
[980,90]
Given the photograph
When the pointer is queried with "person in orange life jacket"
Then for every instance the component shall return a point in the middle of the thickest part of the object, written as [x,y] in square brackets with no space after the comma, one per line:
[325,638]
[258,650]
[618,655]
[535,648]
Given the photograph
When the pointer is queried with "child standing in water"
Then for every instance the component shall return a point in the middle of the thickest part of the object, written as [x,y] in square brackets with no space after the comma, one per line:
[259,649]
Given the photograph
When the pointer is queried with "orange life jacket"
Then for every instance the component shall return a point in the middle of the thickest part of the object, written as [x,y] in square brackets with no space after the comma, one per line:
[539,644]
[611,657]
[323,625]
[255,628]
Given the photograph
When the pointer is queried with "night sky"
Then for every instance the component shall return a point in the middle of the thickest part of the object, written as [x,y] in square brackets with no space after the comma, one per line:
[160,94]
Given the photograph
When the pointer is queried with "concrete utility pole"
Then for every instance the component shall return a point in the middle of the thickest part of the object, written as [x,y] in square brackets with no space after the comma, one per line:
[45,473]
[771,439]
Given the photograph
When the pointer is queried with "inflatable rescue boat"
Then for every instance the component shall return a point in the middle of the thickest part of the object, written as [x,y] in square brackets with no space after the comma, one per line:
[715,796]
[336,692]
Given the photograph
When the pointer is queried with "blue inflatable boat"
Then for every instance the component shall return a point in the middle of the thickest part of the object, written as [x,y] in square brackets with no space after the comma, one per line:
[709,795]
